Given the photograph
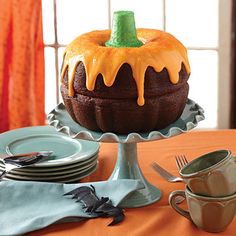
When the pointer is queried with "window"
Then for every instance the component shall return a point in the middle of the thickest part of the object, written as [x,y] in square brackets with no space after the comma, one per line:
[197,24]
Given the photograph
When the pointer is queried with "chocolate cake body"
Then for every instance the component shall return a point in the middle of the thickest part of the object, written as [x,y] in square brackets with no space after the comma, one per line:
[115,108]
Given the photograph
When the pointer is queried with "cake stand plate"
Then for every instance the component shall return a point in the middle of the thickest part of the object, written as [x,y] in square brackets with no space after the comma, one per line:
[127,166]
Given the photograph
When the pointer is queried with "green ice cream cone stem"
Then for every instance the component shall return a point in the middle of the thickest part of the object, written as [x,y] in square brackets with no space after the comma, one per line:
[123,31]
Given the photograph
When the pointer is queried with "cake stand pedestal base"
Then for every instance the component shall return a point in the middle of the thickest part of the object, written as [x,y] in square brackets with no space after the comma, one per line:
[127,167]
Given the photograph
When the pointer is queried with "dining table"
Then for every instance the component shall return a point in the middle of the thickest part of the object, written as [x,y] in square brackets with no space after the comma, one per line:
[157,218]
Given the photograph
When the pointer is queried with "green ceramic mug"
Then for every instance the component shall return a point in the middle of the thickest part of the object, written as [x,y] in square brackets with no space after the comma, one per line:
[212,214]
[213,174]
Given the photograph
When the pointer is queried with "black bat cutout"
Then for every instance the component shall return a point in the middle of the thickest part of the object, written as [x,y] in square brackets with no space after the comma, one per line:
[92,204]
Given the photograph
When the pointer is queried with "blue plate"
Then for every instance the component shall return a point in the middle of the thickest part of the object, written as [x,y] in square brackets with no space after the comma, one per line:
[65,178]
[45,138]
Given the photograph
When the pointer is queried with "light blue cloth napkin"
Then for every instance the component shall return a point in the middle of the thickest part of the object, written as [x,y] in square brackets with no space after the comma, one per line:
[28,206]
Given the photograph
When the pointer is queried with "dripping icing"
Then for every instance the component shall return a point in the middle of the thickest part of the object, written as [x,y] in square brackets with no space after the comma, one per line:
[160,50]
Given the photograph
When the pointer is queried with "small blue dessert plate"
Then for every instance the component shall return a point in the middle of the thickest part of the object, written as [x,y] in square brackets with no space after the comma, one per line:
[66,150]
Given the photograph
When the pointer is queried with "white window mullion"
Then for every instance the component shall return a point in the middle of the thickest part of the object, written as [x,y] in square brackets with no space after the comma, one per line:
[109,14]
[164,14]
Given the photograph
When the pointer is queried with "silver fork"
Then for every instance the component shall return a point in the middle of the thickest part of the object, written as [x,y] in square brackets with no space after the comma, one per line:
[165,174]
[181,161]
[169,177]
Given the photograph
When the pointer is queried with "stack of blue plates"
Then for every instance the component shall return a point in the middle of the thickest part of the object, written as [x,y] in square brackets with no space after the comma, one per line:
[72,159]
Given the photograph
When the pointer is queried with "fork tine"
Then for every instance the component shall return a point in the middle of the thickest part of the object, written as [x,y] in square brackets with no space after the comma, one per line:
[185,160]
[178,162]
[181,161]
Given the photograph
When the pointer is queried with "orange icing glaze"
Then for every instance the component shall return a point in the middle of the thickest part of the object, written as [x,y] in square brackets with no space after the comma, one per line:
[160,50]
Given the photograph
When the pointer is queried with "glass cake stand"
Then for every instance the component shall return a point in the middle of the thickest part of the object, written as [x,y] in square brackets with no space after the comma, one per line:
[127,166]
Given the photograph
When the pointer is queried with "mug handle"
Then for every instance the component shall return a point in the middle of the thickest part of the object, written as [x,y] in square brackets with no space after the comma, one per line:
[173,204]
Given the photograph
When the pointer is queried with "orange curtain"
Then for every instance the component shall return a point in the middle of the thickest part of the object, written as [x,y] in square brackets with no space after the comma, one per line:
[21,64]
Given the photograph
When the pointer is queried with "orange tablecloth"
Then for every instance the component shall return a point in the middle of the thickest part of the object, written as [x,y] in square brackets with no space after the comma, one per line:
[158,218]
